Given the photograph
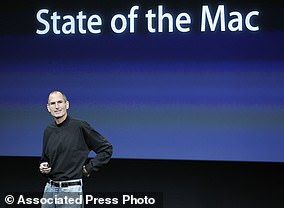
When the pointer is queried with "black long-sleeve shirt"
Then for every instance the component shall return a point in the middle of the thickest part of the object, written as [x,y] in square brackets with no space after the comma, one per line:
[66,147]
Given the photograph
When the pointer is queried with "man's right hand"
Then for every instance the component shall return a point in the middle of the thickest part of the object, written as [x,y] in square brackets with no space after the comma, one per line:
[44,168]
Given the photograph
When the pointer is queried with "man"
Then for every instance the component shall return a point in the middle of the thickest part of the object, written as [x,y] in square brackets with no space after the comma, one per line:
[66,145]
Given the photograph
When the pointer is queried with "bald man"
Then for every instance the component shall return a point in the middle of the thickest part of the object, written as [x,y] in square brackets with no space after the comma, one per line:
[66,146]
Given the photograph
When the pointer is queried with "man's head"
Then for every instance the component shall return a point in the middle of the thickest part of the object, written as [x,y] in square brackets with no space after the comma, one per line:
[57,105]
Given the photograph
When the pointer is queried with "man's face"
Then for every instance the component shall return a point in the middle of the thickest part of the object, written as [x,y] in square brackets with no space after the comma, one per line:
[57,105]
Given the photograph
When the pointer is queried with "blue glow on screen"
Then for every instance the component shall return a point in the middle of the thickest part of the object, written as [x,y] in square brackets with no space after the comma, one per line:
[198,96]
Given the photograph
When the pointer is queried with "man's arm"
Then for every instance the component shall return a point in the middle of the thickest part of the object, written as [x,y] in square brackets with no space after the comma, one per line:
[100,146]
[44,167]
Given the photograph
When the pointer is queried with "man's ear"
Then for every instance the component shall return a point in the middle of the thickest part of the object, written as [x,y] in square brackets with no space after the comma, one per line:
[47,106]
[67,104]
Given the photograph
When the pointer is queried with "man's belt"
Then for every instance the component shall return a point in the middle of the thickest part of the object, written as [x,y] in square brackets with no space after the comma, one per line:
[64,184]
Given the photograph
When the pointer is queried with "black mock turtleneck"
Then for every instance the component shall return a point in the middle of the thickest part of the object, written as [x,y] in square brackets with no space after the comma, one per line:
[66,147]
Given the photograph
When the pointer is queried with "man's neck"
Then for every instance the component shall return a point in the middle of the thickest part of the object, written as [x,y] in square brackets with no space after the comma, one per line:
[60,119]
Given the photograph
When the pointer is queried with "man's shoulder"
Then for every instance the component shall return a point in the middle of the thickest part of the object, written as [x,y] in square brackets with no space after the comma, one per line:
[49,129]
[76,121]
[50,126]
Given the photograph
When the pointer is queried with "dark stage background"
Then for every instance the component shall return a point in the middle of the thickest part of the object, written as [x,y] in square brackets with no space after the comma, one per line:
[197,184]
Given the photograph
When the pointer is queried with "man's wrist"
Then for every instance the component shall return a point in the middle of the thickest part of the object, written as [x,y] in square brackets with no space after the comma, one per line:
[85,172]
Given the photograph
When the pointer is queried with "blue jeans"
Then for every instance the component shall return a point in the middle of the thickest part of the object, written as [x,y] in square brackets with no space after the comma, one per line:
[63,197]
